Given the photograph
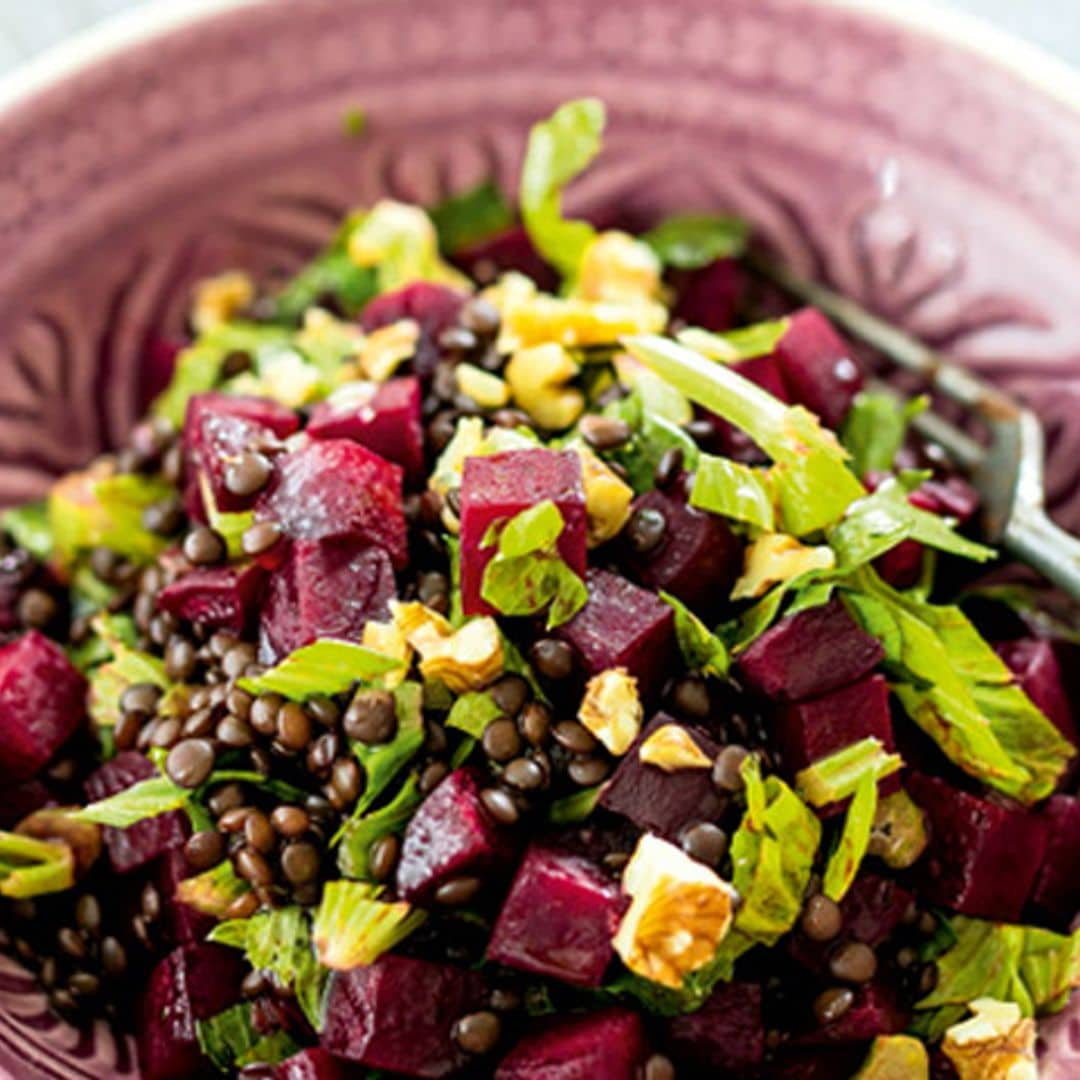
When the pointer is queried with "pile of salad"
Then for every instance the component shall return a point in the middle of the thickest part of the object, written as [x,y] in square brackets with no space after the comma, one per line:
[500,653]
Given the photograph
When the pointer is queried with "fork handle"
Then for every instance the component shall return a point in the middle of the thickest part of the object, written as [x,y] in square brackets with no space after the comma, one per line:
[1033,538]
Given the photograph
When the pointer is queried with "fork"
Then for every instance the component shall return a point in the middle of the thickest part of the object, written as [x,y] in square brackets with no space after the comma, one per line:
[1007,471]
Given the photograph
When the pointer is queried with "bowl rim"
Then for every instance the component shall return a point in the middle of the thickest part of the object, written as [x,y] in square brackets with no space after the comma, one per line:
[116,33]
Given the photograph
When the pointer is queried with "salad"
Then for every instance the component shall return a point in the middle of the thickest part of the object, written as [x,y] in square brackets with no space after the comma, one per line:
[522,647]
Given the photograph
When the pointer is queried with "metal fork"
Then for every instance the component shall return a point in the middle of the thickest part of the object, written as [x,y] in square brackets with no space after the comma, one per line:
[1007,471]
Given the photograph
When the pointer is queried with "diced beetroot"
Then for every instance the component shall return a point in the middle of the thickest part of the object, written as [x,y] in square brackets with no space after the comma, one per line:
[608,1045]
[333,488]
[698,558]
[818,367]
[496,487]
[658,801]
[1036,667]
[558,919]
[875,1012]
[434,307]
[42,703]
[764,372]
[398,1014]
[809,654]
[138,844]
[450,834]
[325,588]
[707,297]
[872,909]
[952,497]
[1057,888]
[19,800]
[816,1064]
[386,420]
[222,597]
[194,982]
[312,1064]
[182,924]
[901,566]
[510,249]
[218,427]
[983,857]
[157,368]
[817,727]
[726,1033]
[622,625]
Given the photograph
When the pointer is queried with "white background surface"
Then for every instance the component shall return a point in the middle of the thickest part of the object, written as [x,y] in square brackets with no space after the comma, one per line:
[27,26]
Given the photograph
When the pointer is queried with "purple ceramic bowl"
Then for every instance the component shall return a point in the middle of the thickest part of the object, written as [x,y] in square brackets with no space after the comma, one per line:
[924,164]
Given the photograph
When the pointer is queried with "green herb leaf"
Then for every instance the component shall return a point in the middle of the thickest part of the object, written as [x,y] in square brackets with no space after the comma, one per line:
[571,809]
[473,712]
[730,346]
[326,666]
[381,763]
[211,893]
[229,526]
[127,667]
[331,274]
[956,688]
[810,477]
[198,367]
[690,241]
[878,522]
[734,491]
[772,854]
[844,862]
[353,927]
[228,1035]
[875,427]
[702,650]
[362,830]
[28,526]
[471,216]
[527,575]
[838,776]
[1032,967]
[148,798]
[559,148]
[652,437]
[31,867]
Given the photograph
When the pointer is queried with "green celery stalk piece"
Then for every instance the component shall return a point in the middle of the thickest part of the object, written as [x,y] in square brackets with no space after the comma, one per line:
[571,809]
[472,712]
[381,763]
[839,775]
[844,862]
[353,927]
[31,867]
[733,491]
[358,834]
[148,798]
[326,666]
[874,429]
[28,526]
[730,346]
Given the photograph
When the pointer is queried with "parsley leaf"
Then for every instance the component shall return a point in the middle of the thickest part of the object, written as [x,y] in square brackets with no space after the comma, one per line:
[471,216]
[690,241]
[875,427]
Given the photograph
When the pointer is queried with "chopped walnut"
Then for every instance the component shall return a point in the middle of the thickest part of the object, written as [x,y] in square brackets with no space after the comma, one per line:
[611,709]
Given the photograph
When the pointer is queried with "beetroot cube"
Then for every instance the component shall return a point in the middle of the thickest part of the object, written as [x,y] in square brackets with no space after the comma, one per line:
[496,487]
[384,418]
[1057,888]
[192,983]
[698,557]
[658,801]
[20,800]
[1038,673]
[156,370]
[817,1064]
[398,1014]
[952,497]
[901,566]
[983,857]
[817,727]
[325,588]
[222,597]
[334,488]
[450,834]
[138,844]
[219,427]
[510,249]
[311,1064]
[182,924]
[608,1045]
[622,625]
[707,297]
[434,307]
[809,654]
[726,1033]
[558,919]
[875,1012]
[818,367]
[42,703]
